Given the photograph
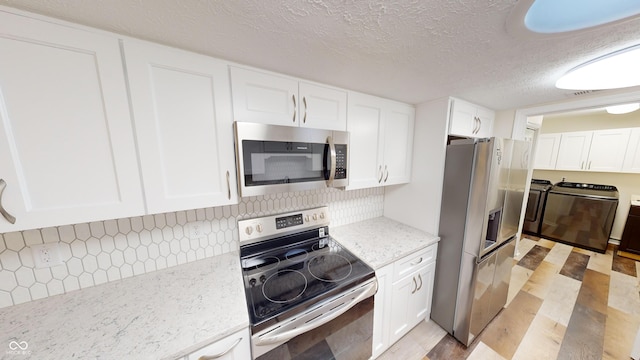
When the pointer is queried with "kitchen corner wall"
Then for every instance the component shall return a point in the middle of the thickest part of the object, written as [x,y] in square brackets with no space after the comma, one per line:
[99,252]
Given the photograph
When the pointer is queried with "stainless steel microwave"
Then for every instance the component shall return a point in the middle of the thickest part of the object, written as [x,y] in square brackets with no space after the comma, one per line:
[273,158]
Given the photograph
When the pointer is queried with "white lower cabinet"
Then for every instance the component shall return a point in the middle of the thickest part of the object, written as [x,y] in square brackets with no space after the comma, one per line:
[236,346]
[405,288]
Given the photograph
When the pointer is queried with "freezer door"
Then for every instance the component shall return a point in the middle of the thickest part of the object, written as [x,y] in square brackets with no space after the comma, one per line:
[502,277]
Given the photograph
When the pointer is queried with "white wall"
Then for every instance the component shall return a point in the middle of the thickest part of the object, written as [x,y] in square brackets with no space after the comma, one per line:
[418,203]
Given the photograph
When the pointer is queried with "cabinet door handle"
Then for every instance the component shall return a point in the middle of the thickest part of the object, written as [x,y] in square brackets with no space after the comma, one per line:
[217,356]
[417,262]
[582,165]
[589,167]
[304,101]
[381,174]
[475,125]
[228,187]
[294,107]
[387,173]
[479,124]
[10,218]
[415,285]
[420,278]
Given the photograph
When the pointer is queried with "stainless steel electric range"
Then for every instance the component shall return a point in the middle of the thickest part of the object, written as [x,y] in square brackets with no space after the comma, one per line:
[304,291]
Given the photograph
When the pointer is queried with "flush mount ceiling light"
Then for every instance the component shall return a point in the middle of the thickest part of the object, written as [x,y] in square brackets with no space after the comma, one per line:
[619,69]
[623,109]
[553,16]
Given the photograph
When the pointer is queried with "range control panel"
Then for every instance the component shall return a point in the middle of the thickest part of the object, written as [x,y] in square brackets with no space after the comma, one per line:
[262,228]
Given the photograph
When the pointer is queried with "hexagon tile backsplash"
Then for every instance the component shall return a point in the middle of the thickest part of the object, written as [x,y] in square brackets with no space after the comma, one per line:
[99,252]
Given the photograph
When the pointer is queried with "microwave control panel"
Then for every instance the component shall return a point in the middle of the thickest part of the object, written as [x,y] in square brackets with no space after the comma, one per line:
[341,161]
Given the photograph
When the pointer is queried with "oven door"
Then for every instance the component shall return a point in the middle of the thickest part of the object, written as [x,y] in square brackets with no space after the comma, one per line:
[339,327]
[283,159]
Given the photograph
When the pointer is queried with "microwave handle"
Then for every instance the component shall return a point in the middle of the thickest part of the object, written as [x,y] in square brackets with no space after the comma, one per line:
[332,151]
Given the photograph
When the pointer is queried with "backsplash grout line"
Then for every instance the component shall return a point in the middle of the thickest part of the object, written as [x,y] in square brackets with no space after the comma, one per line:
[99,252]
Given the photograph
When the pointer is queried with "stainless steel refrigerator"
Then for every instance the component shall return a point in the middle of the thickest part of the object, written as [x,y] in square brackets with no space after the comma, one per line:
[483,190]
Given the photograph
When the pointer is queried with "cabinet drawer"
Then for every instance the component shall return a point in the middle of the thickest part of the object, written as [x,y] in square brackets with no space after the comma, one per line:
[413,262]
[634,210]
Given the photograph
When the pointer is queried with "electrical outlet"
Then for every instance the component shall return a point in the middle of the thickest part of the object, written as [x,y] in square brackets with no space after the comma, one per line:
[196,230]
[46,255]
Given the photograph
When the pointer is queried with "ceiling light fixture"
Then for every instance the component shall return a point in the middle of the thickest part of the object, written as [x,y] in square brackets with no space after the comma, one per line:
[623,109]
[619,69]
[553,16]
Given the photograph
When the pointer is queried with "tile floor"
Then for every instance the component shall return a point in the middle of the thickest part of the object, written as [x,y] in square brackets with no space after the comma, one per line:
[564,303]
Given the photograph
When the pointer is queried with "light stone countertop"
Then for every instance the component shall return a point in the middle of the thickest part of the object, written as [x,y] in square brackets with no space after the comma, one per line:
[381,241]
[635,200]
[163,314]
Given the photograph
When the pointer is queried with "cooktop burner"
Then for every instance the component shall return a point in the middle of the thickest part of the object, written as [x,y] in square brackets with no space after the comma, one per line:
[285,272]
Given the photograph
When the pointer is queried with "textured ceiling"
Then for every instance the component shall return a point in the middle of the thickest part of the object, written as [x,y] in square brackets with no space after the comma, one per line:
[409,50]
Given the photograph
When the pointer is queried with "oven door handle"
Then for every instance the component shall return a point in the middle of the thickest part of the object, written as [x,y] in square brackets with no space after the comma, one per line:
[281,334]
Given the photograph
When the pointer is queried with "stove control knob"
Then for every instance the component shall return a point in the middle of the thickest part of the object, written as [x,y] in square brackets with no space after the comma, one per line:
[315,217]
[306,218]
[248,230]
[263,278]
[252,282]
[259,228]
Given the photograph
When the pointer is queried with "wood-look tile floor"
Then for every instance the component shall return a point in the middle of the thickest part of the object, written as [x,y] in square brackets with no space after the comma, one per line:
[564,303]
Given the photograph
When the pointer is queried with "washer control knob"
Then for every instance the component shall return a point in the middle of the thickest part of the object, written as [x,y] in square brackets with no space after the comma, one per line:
[306,218]
[249,230]
[252,282]
[263,278]
[315,217]
[259,228]
[322,215]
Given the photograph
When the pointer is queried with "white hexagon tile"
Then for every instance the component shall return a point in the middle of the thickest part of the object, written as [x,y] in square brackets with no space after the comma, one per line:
[111,250]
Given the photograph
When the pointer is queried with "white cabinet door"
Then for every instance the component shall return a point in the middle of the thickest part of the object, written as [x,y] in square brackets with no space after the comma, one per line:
[401,299]
[420,301]
[322,107]
[485,118]
[382,311]
[234,347]
[264,98]
[632,156]
[67,151]
[365,134]
[278,100]
[182,112]
[607,150]
[470,120]
[574,150]
[380,141]
[462,121]
[398,142]
[547,147]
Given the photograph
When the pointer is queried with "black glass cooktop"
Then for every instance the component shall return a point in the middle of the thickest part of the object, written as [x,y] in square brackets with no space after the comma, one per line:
[284,273]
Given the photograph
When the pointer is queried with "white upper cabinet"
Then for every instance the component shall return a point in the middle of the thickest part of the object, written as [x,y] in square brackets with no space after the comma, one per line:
[380,141]
[574,150]
[268,98]
[398,142]
[547,151]
[601,150]
[182,113]
[632,156]
[470,120]
[67,152]
[607,150]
